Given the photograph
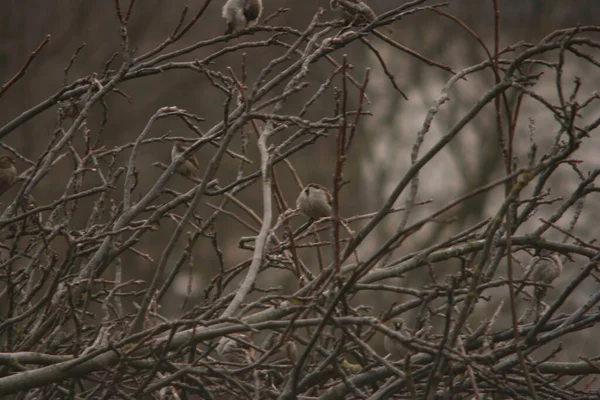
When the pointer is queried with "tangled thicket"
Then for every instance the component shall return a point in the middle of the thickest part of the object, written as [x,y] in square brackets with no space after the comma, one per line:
[75,324]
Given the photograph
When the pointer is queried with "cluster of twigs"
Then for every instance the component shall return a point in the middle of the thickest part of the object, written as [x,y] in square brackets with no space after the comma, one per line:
[66,325]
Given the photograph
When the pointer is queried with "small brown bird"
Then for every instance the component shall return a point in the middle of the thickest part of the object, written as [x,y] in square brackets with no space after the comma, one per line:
[314,201]
[24,226]
[544,268]
[394,347]
[31,204]
[291,351]
[8,173]
[354,12]
[70,109]
[189,168]
[234,350]
[241,14]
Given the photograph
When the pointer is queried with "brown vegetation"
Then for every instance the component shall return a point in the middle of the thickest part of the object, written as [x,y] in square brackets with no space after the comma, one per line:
[457,146]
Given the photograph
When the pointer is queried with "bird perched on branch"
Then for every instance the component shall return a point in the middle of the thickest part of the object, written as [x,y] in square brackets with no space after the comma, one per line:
[291,351]
[314,201]
[544,268]
[31,204]
[8,173]
[287,350]
[395,347]
[354,12]
[240,14]
[237,348]
[27,204]
[190,167]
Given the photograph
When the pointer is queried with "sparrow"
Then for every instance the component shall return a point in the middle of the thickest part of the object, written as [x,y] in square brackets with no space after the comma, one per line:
[240,14]
[287,349]
[8,173]
[291,351]
[544,268]
[314,201]
[236,348]
[354,12]
[31,204]
[189,168]
[394,347]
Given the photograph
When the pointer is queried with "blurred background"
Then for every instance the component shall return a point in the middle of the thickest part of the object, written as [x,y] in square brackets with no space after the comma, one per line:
[383,144]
